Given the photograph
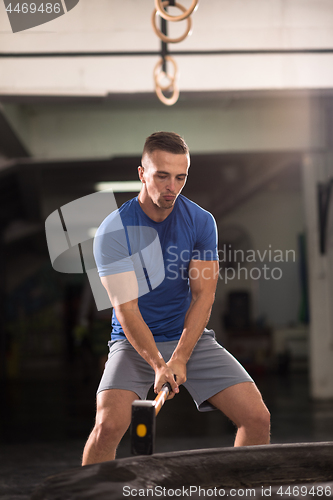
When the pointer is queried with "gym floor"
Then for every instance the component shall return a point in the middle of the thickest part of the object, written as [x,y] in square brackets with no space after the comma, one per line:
[45,424]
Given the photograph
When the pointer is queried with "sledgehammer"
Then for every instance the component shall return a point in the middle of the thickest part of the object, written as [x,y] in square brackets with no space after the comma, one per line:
[143,422]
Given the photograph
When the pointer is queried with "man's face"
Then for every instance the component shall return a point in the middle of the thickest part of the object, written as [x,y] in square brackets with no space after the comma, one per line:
[164,175]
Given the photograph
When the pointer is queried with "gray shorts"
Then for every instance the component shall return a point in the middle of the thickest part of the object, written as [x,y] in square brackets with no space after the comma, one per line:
[210,369]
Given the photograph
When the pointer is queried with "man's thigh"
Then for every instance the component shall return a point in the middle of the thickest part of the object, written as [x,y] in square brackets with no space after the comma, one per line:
[212,369]
[115,406]
[240,402]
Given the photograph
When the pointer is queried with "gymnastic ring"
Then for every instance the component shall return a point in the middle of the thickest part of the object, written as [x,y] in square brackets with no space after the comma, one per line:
[159,7]
[161,35]
[168,101]
[164,87]
[172,78]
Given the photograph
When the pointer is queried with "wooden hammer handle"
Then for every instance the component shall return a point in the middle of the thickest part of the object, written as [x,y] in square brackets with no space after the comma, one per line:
[161,397]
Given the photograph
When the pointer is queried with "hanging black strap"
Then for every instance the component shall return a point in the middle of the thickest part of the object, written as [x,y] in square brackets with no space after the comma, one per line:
[164,30]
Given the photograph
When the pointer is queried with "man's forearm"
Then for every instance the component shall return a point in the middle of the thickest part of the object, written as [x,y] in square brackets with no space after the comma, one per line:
[196,320]
[203,295]
[140,336]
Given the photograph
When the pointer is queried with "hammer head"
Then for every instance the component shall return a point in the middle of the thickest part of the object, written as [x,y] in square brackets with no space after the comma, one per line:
[143,427]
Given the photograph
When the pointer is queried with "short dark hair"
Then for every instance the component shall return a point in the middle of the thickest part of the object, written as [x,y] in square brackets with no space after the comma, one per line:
[165,141]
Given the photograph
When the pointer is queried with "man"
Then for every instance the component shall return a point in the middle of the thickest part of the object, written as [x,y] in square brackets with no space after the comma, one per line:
[159,332]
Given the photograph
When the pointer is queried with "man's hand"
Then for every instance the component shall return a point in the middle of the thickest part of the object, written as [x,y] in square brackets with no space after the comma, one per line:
[178,368]
[162,375]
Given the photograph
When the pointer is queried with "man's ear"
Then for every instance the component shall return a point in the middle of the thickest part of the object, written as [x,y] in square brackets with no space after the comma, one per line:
[141,173]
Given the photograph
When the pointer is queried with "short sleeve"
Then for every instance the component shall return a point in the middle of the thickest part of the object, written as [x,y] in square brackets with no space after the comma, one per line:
[111,250]
[119,249]
[111,253]
[205,247]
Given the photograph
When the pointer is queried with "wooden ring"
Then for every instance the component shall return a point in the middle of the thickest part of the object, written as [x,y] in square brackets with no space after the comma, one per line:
[172,77]
[186,13]
[164,87]
[161,35]
[168,101]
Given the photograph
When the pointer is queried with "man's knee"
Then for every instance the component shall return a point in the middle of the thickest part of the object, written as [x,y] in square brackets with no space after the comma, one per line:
[109,431]
[258,419]
[263,417]
[113,415]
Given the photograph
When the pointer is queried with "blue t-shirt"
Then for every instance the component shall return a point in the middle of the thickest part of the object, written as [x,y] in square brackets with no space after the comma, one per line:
[160,254]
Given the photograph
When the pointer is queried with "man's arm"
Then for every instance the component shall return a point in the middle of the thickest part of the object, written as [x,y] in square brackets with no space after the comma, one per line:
[122,289]
[203,280]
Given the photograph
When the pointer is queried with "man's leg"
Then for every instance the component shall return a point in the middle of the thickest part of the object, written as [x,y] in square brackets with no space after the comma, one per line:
[243,404]
[113,417]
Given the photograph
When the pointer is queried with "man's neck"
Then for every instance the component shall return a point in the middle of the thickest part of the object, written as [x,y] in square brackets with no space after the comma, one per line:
[154,212]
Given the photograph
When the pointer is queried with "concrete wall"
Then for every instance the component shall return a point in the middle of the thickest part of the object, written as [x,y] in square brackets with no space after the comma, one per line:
[218,125]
